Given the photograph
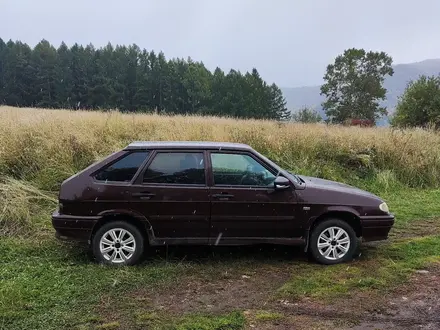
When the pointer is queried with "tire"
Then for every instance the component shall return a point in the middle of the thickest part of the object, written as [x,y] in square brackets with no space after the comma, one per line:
[338,250]
[109,247]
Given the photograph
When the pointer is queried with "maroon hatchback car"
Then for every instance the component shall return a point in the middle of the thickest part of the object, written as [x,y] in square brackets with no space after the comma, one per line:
[205,193]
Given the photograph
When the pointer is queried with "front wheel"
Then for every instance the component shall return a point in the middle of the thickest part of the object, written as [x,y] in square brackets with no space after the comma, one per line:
[118,243]
[333,241]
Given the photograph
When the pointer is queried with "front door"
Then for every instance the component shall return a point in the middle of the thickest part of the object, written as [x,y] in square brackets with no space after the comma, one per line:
[171,192]
[245,204]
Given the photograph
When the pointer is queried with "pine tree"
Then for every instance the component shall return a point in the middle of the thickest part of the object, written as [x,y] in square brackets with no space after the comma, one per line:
[64,80]
[256,95]
[131,59]
[234,102]
[278,103]
[141,98]
[18,75]
[3,55]
[111,75]
[196,81]
[99,88]
[162,70]
[79,77]
[217,102]
[45,63]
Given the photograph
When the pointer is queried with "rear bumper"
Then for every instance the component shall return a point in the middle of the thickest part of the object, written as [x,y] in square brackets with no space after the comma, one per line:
[376,228]
[73,228]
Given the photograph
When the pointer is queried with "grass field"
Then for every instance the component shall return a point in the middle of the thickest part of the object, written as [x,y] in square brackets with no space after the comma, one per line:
[45,284]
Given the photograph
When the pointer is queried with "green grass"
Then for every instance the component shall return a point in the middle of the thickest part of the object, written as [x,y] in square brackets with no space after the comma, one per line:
[386,265]
[408,204]
[413,204]
[45,284]
[50,286]
[231,321]
[264,316]
[383,268]
[160,321]
[108,326]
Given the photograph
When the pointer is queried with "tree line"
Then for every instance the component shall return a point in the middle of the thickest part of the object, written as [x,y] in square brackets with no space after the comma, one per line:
[130,79]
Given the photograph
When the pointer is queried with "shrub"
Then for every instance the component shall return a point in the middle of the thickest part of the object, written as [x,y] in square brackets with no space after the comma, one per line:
[420,104]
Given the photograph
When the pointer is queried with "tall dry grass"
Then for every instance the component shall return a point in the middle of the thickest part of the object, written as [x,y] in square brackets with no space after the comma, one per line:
[46,146]
[43,147]
[23,208]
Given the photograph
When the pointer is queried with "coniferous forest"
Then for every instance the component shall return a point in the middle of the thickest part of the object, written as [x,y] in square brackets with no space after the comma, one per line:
[130,79]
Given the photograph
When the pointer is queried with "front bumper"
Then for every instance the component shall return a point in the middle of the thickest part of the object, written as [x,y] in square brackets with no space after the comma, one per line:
[72,227]
[377,227]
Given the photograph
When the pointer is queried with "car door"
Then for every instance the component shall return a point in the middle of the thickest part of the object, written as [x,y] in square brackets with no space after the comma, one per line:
[172,193]
[244,203]
[108,188]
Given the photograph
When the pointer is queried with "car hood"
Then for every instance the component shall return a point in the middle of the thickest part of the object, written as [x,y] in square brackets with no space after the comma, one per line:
[333,186]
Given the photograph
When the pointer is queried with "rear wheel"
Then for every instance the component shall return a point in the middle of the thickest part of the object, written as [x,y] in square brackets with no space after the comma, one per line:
[333,241]
[118,243]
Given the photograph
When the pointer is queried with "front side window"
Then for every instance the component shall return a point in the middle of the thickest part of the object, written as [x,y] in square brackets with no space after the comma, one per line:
[176,168]
[236,169]
[124,169]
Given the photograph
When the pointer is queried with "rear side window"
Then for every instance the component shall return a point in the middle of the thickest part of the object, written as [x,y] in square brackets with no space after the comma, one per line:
[176,168]
[124,169]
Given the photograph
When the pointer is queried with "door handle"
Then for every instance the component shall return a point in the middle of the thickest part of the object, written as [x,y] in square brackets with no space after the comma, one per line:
[143,195]
[223,196]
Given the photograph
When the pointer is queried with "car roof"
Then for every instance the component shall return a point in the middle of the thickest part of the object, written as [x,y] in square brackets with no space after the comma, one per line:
[186,145]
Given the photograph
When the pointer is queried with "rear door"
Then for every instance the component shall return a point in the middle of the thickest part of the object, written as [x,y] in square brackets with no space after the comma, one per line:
[172,193]
[245,204]
[110,186]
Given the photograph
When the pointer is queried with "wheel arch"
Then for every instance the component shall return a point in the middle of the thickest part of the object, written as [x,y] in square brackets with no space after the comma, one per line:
[131,217]
[349,216]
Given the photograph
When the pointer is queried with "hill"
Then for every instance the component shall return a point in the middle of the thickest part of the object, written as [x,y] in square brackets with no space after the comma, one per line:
[298,97]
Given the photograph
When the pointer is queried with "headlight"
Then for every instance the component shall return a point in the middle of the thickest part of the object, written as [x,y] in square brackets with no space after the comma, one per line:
[384,208]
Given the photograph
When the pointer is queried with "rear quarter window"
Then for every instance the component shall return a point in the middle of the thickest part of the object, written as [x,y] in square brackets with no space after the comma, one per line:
[123,169]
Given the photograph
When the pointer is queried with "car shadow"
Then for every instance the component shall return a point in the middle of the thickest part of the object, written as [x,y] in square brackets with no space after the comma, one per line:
[260,252]
[266,253]
[201,254]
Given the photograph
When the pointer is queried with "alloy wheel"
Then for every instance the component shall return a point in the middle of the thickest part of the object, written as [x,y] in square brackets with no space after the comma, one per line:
[333,243]
[117,245]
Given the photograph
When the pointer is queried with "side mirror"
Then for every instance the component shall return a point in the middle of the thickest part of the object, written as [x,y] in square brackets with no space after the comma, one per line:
[281,183]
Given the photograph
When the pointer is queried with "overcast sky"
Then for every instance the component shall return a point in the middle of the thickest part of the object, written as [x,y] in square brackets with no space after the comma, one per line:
[290,42]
